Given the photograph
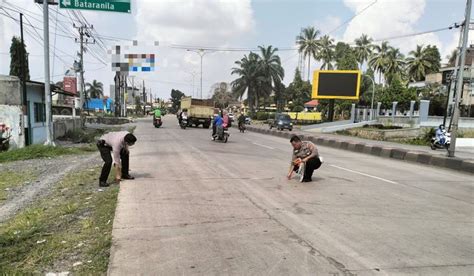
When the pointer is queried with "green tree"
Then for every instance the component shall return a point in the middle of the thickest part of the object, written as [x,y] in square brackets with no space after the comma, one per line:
[298,92]
[326,52]
[346,58]
[395,66]
[270,66]
[363,49]
[176,96]
[378,60]
[16,52]
[258,76]
[397,92]
[434,57]
[248,71]
[308,44]
[452,58]
[95,89]
[279,98]
[419,63]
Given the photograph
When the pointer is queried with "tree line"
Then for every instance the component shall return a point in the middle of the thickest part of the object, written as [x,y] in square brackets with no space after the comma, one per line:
[260,75]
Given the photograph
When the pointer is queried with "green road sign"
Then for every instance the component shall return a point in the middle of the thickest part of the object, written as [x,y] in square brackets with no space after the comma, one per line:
[97,5]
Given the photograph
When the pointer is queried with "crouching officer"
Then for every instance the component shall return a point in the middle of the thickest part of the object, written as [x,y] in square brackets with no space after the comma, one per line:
[113,148]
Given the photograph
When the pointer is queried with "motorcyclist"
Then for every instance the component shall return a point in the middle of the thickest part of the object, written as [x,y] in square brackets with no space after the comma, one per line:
[441,135]
[157,114]
[217,125]
[183,115]
[226,120]
[241,120]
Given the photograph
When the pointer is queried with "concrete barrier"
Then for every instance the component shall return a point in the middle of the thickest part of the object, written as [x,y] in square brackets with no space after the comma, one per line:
[62,125]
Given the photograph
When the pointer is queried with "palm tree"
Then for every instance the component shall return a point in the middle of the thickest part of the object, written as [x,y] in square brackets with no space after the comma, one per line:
[308,44]
[363,49]
[378,61]
[395,65]
[270,68]
[247,69]
[326,52]
[418,63]
[95,90]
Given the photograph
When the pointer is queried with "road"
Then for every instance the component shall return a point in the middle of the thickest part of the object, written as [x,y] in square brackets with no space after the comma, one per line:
[205,208]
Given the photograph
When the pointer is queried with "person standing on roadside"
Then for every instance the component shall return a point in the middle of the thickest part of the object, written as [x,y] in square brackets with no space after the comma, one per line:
[114,149]
[306,157]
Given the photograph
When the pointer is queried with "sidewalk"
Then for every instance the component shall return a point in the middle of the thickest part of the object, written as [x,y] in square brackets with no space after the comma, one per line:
[464,160]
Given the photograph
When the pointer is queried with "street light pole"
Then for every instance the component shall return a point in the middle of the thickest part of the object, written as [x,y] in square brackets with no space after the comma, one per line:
[193,74]
[201,53]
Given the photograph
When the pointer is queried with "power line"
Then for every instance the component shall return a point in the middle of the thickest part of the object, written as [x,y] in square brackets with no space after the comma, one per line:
[36,37]
[352,18]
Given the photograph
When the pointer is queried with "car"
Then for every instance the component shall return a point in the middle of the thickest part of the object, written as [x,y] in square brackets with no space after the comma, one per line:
[248,120]
[281,122]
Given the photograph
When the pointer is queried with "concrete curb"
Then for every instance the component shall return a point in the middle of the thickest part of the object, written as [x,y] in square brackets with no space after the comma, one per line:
[424,158]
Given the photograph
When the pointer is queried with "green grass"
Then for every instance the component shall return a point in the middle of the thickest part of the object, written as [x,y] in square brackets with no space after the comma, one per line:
[71,225]
[466,134]
[11,179]
[41,151]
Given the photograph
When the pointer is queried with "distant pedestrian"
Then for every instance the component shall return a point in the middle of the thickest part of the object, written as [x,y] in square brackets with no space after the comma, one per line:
[305,156]
[113,148]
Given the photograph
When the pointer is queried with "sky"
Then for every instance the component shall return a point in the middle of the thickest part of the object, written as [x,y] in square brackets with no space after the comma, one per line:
[218,23]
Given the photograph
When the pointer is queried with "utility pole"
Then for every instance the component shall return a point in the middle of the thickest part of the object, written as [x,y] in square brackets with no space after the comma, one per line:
[83,31]
[47,88]
[26,107]
[460,80]
[144,98]
[452,83]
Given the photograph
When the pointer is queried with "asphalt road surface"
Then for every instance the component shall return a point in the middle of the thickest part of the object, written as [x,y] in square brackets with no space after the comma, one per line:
[208,208]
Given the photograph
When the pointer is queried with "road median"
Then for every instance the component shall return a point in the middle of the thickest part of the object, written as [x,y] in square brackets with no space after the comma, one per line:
[377,149]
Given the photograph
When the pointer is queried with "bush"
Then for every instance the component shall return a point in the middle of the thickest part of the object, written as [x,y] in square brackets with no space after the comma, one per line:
[298,108]
[263,116]
[83,136]
[428,134]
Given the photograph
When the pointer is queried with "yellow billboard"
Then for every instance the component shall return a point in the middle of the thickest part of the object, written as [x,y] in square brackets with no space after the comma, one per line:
[336,84]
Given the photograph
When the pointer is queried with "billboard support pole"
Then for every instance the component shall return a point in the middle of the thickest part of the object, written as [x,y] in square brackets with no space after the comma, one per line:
[331,110]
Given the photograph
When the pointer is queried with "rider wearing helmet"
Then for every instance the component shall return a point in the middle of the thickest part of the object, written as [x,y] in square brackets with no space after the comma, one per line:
[441,135]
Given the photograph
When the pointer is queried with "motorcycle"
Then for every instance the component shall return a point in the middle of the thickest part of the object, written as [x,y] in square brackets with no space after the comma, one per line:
[157,122]
[222,136]
[435,143]
[242,127]
[184,122]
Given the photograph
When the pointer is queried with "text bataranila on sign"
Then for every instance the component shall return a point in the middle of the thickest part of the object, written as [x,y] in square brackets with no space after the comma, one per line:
[98,5]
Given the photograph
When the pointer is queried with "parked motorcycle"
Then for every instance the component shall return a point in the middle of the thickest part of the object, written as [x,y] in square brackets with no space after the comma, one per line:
[222,136]
[435,143]
[157,122]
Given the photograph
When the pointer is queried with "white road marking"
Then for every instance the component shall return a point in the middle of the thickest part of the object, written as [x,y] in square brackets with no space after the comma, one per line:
[364,174]
[257,144]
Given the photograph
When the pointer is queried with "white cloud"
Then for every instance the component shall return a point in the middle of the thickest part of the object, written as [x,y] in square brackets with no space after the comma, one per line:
[193,22]
[328,24]
[389,18]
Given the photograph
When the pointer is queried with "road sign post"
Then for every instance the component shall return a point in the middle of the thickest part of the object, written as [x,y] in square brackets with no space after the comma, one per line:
[98,5]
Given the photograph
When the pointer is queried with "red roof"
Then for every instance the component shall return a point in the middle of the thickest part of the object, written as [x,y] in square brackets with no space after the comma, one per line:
[311,103]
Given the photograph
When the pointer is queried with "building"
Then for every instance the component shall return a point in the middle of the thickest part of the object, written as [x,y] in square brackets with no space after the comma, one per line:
[25,130]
